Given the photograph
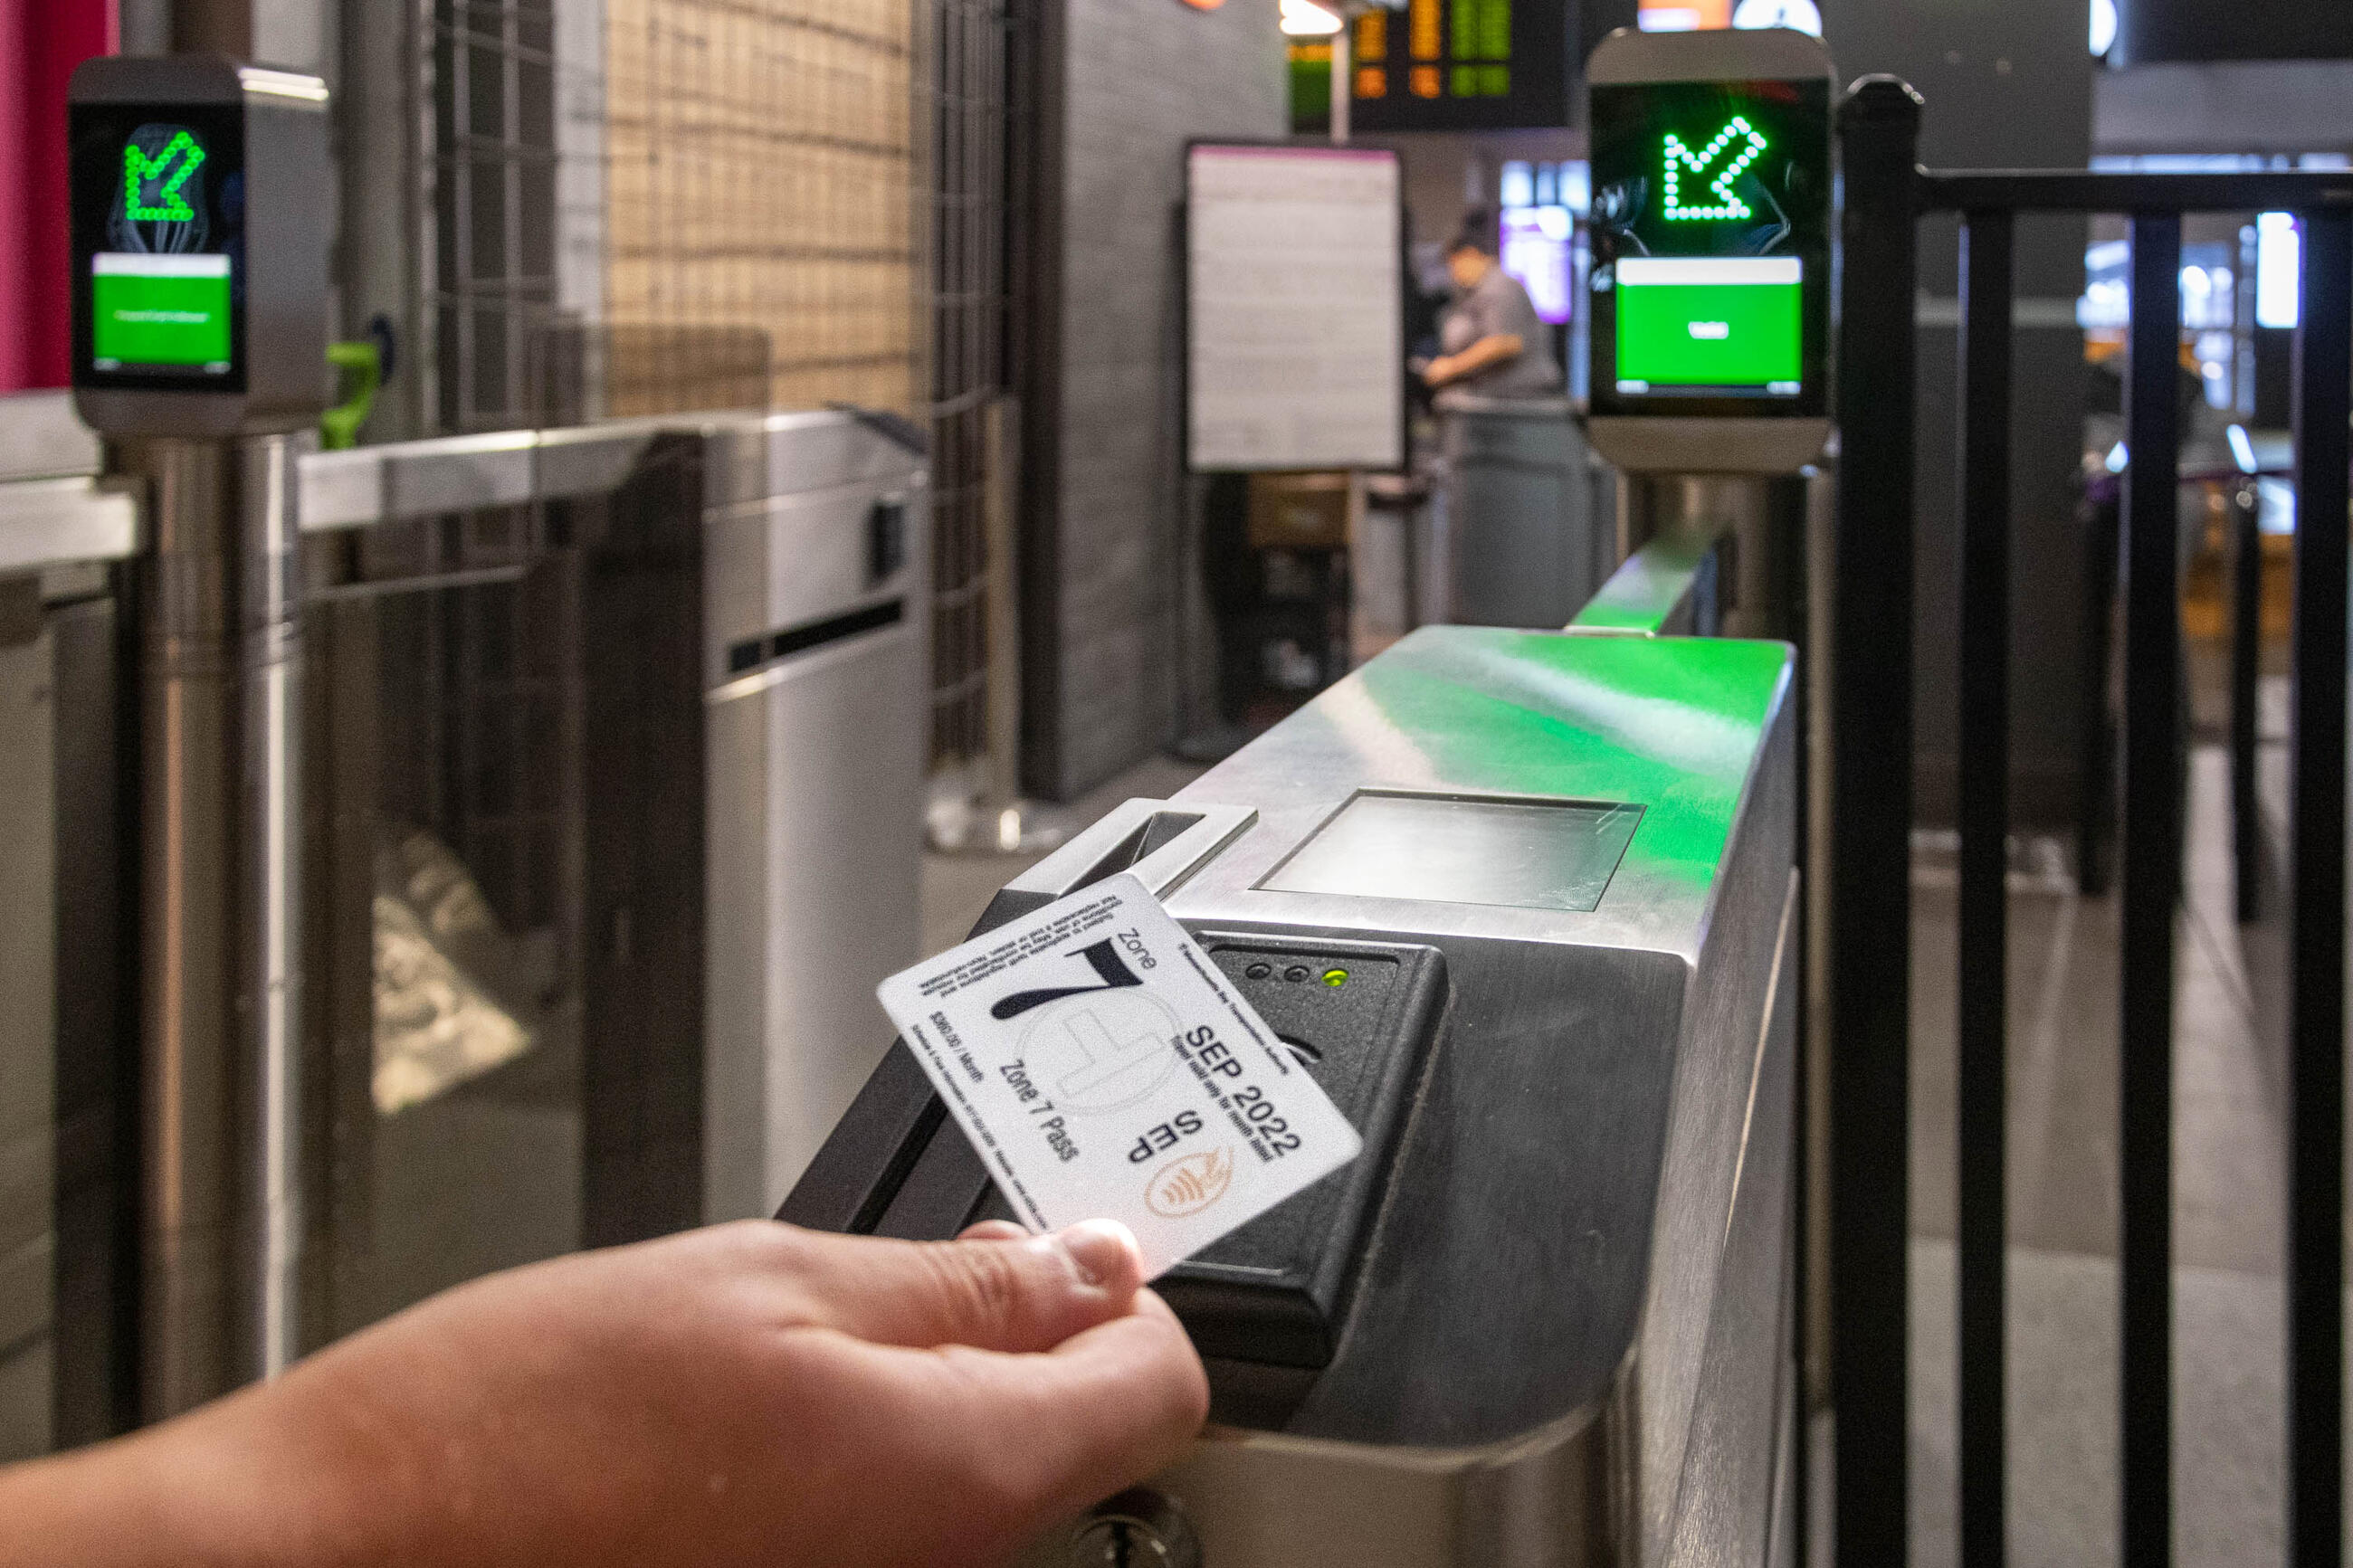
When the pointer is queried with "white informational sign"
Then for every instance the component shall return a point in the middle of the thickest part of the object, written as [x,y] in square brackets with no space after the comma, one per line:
[1296,308]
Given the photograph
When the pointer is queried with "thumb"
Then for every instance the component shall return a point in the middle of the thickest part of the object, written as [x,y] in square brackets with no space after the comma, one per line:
[1014,1296]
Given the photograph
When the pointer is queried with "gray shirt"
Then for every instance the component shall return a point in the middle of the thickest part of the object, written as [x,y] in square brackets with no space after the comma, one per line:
[1498,307]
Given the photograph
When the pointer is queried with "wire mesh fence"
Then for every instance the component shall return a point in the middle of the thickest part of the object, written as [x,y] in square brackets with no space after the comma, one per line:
[491,174]
[648,206]
[640,206]
[759,160]
[972,52]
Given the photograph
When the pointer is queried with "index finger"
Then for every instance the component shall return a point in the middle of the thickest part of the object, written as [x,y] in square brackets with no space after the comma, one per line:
[1056,1431]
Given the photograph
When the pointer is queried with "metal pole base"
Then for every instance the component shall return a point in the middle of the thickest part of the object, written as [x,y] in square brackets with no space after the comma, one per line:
[1022,827]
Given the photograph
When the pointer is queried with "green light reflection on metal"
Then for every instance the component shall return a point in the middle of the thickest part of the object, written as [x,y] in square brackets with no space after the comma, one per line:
[1670,724]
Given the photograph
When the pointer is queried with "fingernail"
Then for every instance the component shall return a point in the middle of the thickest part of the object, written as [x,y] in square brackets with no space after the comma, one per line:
[1100,1249]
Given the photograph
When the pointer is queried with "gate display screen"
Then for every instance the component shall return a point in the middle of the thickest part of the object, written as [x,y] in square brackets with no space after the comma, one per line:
[1729,322]
[1711,234]
[159,310]
[158,230]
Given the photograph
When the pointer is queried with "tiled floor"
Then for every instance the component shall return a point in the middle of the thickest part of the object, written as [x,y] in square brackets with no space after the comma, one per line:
[2228,1213]
[958,887]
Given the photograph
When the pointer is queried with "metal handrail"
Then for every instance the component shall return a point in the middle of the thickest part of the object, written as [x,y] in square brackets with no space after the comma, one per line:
[369,484]
[50,520]
[66,523]
[1655,593]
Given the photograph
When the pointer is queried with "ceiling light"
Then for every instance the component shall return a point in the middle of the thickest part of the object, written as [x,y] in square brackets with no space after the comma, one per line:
[1305,19]
[2104,25]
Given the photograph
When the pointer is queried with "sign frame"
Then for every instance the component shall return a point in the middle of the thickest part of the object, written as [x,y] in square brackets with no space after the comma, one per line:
[1398,458]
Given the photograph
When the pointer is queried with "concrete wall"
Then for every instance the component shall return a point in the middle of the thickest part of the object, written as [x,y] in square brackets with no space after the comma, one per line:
[2008,85]
[2232,106]
[1137,79]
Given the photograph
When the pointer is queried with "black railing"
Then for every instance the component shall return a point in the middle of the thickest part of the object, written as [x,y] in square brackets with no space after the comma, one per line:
[1871,715]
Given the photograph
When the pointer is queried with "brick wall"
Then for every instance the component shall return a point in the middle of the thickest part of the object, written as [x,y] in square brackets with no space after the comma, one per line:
[1140,79]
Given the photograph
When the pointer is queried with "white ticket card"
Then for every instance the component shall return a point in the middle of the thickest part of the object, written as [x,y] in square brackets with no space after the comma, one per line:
[1104,1069]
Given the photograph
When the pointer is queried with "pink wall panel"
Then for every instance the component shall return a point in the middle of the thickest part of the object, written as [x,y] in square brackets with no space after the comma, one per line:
[41,41]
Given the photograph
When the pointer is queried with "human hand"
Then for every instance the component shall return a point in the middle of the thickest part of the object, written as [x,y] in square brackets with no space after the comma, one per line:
[751,1394]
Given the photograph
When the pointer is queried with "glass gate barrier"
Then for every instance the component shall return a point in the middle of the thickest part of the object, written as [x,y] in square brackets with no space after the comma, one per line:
[445,702]
[591,771]
[611,739]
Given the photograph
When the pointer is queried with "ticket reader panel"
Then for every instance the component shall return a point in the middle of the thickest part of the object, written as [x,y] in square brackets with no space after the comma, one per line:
[200,246]
[1543,1319]
[1712,246]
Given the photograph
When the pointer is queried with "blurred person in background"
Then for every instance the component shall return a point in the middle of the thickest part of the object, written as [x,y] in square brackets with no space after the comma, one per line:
[1492,342]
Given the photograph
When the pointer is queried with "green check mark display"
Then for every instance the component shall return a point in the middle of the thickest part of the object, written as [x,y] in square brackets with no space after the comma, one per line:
[139,171]
[1738,144]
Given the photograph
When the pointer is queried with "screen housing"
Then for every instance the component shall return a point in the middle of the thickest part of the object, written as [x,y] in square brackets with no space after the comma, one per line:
[98,133]
[267,162]
[1766,143]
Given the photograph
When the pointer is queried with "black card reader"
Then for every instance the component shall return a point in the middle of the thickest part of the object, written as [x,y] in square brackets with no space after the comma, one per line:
[1362,1017]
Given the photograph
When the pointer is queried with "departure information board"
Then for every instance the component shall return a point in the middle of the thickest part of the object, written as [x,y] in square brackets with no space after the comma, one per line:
[1711,248]
[1442,65]
[158,223]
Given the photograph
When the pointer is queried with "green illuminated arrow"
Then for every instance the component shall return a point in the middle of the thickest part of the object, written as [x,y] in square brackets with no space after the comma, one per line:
[1681,157]
[137,169]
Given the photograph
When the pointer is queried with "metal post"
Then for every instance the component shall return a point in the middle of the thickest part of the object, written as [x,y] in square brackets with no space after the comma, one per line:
[2324,386]
[1983,988]
[1758,567]
[219,916]
[269,924]
[1870,900]
[1343,86]
[2149,888]
[2246,715]
[2095,764]
[1010,824]
[185,912]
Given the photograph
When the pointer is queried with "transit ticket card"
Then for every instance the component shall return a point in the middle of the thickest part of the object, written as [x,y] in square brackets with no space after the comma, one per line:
[1103,1067]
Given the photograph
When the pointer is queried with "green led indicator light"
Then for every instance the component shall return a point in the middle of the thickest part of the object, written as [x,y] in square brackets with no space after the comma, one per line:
[1335,978]
[1680,157]
[137,169]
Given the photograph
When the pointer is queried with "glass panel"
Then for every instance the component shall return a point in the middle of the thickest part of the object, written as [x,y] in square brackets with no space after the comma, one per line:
[28,1035]
[1449,850]
[447,912]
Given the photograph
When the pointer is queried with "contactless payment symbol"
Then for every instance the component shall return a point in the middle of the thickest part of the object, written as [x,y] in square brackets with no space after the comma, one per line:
[1738,144]
[1183,1188]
